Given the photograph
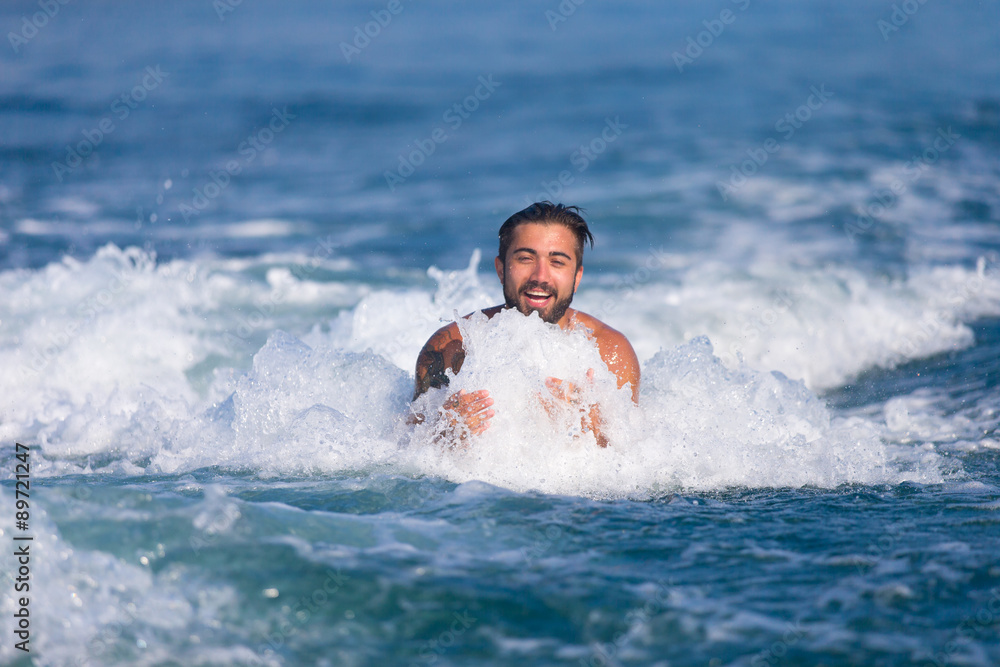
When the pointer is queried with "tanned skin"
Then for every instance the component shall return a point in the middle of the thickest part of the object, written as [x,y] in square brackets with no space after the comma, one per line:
[540,273]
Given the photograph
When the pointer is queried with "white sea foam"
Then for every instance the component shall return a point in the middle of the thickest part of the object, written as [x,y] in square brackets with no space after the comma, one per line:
[700,425]
[122,364]
[823,326]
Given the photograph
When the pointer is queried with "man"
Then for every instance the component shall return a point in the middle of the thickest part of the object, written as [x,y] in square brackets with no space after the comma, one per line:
[540,264]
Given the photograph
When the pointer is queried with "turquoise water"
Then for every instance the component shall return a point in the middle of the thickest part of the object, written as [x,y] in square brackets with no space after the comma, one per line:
[208,332]
[856,575]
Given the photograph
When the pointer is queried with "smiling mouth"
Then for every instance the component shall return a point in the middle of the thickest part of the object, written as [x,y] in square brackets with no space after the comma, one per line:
[537,298]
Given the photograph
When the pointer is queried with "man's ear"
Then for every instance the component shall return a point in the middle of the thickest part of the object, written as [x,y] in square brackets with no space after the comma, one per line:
[498,263]
[579,274]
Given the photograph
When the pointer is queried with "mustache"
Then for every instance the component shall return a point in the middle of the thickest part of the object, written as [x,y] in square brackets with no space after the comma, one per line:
[536,285]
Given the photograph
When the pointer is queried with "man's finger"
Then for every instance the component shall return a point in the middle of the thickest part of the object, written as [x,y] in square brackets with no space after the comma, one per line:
[483,424]
[480,422]
[481,404]
[562,389]
[480,417]
[470,409]
[462,398]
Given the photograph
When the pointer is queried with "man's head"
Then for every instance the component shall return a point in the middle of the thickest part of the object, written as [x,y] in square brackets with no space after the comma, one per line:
[541,259]
[547,213]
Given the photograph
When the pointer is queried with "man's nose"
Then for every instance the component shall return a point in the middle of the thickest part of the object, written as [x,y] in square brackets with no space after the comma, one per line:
[541,272]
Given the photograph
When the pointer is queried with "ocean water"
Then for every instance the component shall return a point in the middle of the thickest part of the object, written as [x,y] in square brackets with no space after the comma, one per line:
[227,228]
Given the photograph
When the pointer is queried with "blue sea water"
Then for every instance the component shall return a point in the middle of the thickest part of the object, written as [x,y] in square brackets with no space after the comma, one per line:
[226,229]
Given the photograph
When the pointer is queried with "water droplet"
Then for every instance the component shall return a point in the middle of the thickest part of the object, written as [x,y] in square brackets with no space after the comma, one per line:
[270,592]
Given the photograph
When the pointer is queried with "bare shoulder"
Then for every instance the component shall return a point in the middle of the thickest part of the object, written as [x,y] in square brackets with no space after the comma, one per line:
[601,332]
[443,336]
[488,312]
[442,352]
[450,332]
[616,351]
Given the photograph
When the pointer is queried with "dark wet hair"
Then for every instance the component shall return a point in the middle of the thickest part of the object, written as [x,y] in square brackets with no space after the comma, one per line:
[547,213]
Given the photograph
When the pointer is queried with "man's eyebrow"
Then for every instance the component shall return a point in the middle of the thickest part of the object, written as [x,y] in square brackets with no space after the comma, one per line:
[532,251]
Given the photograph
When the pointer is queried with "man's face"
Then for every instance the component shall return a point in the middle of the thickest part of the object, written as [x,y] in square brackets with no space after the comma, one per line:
[540,270]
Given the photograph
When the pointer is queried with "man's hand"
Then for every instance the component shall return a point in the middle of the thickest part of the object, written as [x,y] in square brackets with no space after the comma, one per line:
[590,419]
[471,409]
[565,391]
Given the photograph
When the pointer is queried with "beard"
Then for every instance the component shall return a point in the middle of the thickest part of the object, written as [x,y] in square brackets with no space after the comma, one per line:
[551,313]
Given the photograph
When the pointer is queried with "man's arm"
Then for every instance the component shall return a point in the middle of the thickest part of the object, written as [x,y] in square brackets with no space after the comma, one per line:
[620,358]
[444,351]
